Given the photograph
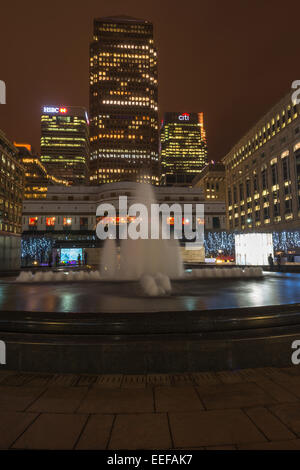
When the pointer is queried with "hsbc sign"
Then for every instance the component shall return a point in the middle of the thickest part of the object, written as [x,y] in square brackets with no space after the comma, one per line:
[54,109]
[184,117]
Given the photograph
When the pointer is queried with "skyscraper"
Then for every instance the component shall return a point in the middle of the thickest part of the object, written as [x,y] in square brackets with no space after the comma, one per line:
[65,142]
[183,147]
[123,102]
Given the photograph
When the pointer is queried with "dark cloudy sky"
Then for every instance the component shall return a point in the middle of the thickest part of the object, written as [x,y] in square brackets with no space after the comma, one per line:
[230,59]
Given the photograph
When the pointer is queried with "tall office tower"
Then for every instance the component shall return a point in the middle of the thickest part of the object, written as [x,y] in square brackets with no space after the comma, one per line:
[183,147]
[65,142]
[123,102]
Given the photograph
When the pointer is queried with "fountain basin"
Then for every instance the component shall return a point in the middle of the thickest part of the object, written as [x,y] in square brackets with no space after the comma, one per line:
[109,327]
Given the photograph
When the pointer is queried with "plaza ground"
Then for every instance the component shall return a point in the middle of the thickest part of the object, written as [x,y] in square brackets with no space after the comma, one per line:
[246,409]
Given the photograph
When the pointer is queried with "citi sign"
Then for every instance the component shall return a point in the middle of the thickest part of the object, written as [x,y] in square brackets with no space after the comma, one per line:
[184,117]
[53,109]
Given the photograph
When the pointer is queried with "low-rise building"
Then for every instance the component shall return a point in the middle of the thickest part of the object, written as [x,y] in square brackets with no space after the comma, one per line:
[66,218]
[212,181]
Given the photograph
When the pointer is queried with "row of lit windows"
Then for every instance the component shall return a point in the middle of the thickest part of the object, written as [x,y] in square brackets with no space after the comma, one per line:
[266,133]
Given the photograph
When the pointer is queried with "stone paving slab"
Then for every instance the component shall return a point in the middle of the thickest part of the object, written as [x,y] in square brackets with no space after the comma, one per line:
[289,414]
[59,400]
[278,392]
[141,431]
[279,445]
[177,399]
[213,428]
[233,395]
[52,431]
[96,433]
[12,425]
[117,401]
[18,398]
[290,383]
[269,424]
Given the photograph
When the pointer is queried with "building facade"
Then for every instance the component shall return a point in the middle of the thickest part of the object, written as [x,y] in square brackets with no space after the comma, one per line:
[263,173]
[37,178]
[11,197]
[212,181]
[123,102]
[67,217]
[65,143]
[183,147]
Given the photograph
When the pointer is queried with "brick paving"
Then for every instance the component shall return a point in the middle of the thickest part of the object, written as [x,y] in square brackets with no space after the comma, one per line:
[246,409]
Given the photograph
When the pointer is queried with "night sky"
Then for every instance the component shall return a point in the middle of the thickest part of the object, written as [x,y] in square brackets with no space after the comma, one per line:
[232,60]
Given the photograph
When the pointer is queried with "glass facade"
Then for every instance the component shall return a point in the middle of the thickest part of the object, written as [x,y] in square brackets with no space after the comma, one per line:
[183,147]
[123,102]
[65,143]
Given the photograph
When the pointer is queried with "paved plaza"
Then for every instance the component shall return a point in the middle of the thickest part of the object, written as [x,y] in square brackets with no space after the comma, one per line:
[246,409]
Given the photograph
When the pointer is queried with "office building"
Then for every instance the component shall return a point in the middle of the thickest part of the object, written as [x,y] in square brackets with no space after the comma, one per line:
[37,178]
[212,181]
[123,102]
[183,147]
[263,173]
[65,142]
[11,196]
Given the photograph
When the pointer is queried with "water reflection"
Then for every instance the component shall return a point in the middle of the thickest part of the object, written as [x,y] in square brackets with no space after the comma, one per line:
[94,297]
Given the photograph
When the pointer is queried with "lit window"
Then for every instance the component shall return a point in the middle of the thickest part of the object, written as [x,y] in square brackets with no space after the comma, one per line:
[50,221]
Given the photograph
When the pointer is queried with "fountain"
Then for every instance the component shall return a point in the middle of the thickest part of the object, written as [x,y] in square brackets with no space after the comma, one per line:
[142,313]
[152,262]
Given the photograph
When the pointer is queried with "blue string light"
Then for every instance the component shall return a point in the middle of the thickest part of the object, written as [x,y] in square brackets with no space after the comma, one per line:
[38,247]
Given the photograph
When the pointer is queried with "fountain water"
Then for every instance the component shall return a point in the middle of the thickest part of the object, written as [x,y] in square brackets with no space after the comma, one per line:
[143,256]
[152,262]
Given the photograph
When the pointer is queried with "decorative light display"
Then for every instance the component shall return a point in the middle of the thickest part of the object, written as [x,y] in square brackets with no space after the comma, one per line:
[216,242]
[37,248]
[224,242]
[253,249]
[286,241]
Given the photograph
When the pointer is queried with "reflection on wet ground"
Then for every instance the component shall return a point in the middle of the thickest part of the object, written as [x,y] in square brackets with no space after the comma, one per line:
[97,297]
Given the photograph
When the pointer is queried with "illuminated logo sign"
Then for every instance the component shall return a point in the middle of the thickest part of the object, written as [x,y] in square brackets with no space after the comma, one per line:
[184,117]
[54,109]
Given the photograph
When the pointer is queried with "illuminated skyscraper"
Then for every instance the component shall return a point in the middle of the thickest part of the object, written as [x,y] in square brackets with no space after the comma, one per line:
[123,102]
[65,142]
[183,147]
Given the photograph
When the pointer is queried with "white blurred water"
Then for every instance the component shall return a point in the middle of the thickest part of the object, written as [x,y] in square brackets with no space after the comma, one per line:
[142,256]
